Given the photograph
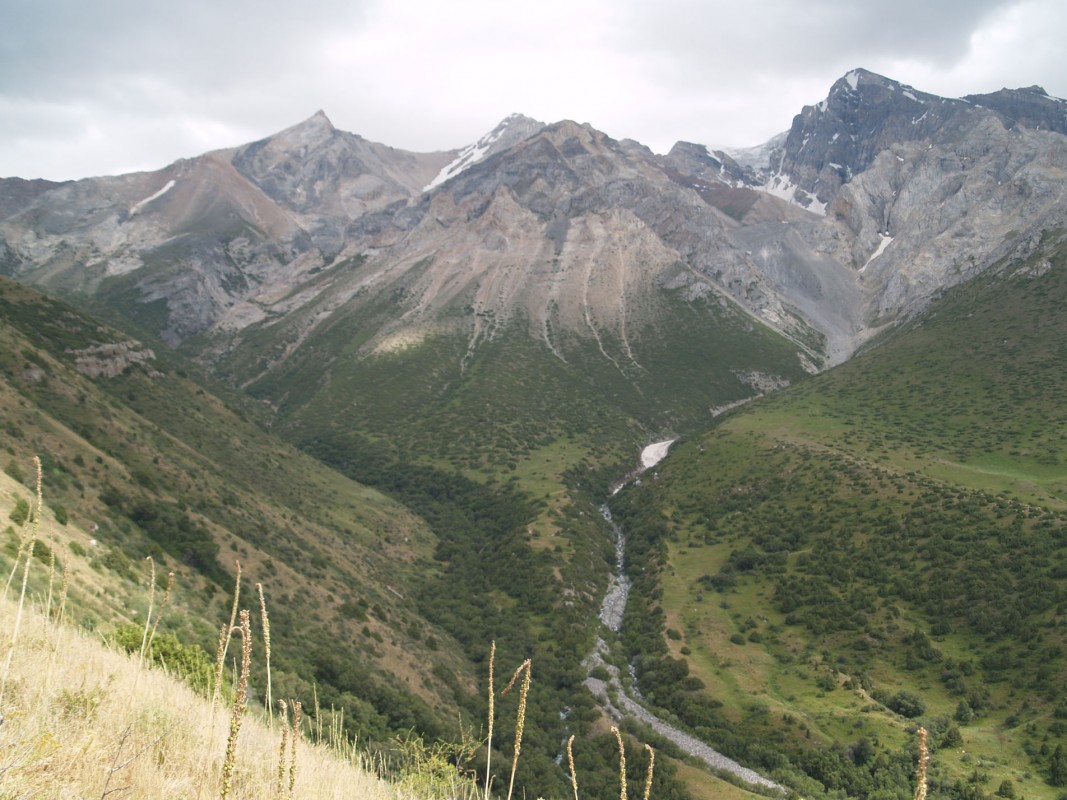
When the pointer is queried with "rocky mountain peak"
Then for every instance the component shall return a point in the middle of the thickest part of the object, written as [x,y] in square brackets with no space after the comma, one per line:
[863,115]
[532,214]
[1032,107]
[311,132]
[513,129]
[698,161]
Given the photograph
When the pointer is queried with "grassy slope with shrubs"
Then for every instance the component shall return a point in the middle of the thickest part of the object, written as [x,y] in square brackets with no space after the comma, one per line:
[83,715]
[881,546]
[85,721]
[155,463]
[365,596]
[506,452]
[90,717]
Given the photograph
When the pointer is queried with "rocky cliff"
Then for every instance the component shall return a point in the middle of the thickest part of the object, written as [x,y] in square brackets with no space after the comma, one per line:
[876,199]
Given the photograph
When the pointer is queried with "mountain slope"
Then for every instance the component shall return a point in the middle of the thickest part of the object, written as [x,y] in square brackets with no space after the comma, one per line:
[906,193]
[539,262]
[488,336]
[881,544]
[138,450]
[375,610]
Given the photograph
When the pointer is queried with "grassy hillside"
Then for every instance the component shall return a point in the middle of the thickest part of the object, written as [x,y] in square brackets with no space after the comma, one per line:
[484,409]
[879,547]
[149,459]
[87,721]
[383,614]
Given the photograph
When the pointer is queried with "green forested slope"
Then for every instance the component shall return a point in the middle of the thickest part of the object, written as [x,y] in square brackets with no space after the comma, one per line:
[880,547]
[152,461]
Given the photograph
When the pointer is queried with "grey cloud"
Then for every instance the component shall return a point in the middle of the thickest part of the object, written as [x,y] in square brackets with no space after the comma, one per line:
[113,83]
[70,49]
[738,40]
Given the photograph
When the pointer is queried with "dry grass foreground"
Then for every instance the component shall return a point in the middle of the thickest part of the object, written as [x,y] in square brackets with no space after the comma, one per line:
[80,719]
[84,721]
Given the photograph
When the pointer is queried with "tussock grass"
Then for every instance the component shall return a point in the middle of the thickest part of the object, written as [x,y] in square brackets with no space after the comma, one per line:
[81,719]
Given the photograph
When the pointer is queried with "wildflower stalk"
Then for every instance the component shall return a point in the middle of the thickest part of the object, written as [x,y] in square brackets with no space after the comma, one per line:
[51,577]
[283,710]
[224,642]
[924,758]
[238,705]
[489,743]
[520,718]
[61,608]
[570,765]
[266,644]
[151,603]
[651,769]
[622,764]
[292,743]
[159,614]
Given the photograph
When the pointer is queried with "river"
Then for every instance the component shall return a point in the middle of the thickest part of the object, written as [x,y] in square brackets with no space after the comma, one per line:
[611,613]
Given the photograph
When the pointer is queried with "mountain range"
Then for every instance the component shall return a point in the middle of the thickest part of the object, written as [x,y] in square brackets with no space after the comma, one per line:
[488,336]
[525,223]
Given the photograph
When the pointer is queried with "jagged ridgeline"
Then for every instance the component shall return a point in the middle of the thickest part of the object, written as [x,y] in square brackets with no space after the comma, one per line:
[880,547]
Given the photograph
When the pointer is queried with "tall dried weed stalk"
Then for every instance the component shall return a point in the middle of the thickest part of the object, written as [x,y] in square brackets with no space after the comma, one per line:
[622,764]
[288,745]
[924,759]
[520,717]
[230,759]
[159,614]
[293,739]
[151,606]
[651,770]
[225,633]
[489,745]
[283,710]
[570,766]
[265,620]
[31,538]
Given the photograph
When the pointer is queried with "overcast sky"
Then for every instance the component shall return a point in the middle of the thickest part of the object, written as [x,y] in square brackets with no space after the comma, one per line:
[96,87]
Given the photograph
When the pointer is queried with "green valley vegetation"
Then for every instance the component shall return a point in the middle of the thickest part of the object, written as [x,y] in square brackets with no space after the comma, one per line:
[382,607]
[827,568]
[155,459]
[880,547]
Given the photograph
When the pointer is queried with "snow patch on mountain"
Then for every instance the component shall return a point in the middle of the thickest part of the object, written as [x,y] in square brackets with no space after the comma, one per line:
[655,453]
[471,154]
[139,205]
[510,131]
[758,157]
[782,187]
[884,242]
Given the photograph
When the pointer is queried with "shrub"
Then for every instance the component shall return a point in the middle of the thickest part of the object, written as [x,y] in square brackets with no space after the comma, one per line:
[907,704]
[21,512]
[15,472]
[189,662]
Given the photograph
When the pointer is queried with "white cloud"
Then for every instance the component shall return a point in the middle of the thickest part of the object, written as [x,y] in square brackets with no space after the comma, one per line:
[115,85]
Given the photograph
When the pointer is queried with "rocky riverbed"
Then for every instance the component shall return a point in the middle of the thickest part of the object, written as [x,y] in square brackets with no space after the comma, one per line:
[615,698]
